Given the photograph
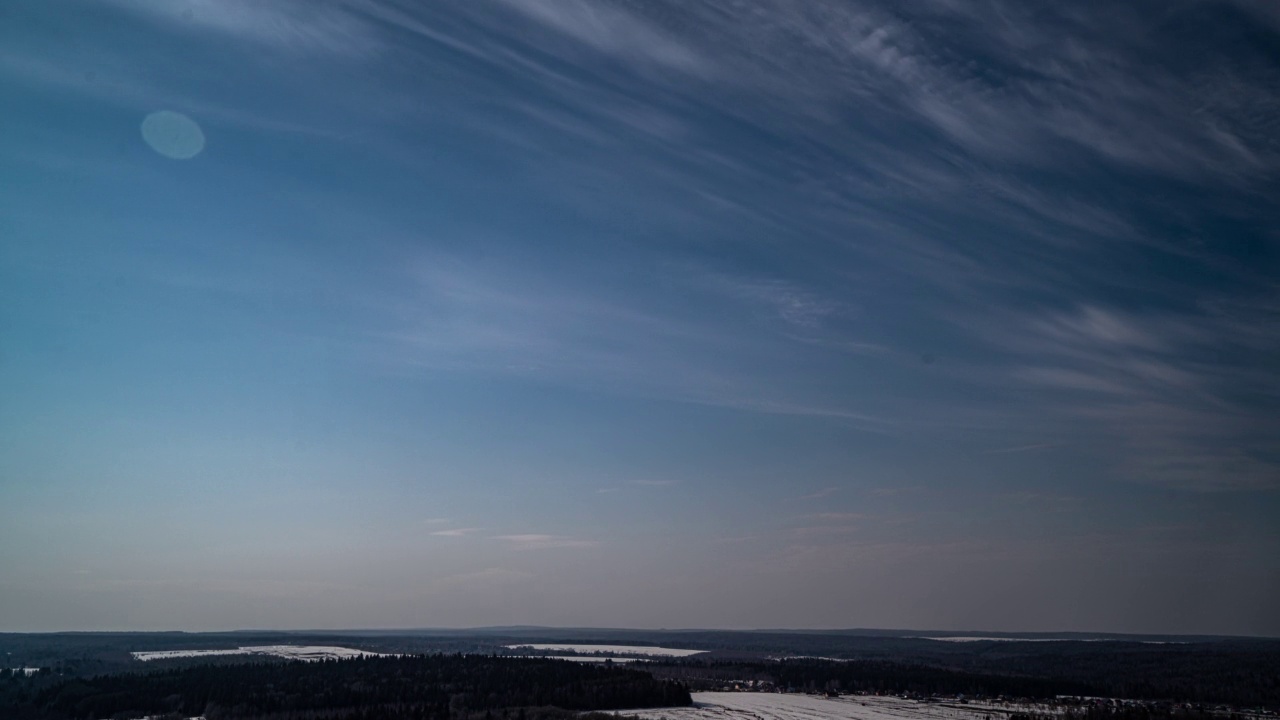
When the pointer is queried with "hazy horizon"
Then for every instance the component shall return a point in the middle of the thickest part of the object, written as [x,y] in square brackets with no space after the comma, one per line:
[339,631]
[837,313]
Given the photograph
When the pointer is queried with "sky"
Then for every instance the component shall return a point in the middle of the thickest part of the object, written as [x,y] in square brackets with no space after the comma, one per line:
[383,313]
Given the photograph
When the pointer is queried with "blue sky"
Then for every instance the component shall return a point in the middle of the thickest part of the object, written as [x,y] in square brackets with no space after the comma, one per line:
[732,314]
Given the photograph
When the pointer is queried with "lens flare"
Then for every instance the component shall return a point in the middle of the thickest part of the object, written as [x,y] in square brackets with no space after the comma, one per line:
[173,135]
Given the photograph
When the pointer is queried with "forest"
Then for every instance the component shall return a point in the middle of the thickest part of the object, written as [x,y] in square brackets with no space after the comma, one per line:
[420,687]
[86,670]
[1205,678]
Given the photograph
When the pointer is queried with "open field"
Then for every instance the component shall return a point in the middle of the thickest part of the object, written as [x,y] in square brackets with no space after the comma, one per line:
[586,658]
[290,652]
[610,649]
[984,638]
[794,706]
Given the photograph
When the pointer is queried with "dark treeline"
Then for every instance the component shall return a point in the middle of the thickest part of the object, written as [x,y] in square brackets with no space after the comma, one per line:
[1242,676]
[874,676]
[1227,682]
[1242,672]
[896,678]
[1150,711]
[424,687]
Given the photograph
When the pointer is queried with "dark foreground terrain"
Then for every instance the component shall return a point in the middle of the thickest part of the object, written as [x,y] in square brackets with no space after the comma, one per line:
[1155,673]
[435,687]
[470,675]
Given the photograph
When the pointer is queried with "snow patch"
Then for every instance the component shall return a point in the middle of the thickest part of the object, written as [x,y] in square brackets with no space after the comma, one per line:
[585,659]
[291,652]
[610,649]
[794,706]
[979,638]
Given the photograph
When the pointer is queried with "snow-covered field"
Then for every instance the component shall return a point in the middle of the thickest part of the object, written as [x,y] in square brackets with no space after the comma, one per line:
[611,649]
[291,652]
[587,659]
[26,671]
[793,706]
[977,638]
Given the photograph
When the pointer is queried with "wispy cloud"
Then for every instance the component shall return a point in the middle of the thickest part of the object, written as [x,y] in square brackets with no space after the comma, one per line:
[310,27]
[895,491]
[456,532]
[824,492]
[614,31]
[1163,386]
[838,516]
[865,255]
[643,483]
[1046,502]
[792,304]
[826,530]
[543,542]
[1021,448]
[497,319]
[976,185]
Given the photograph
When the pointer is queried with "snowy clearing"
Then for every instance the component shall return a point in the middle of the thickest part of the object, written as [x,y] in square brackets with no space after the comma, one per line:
[810,657]
[588,659]
[611,649]
[793,706]
[291,652]
[978,638]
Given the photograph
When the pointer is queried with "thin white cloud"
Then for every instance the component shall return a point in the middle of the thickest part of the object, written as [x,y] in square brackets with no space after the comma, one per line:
[826,530]
[838,516]
[456,532]
[1161,385]
[614,31]
[790,303]
[534,541]
[320,26]
[896,491]
[817,494]
[792,70]
[1022,448]
[504,319]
